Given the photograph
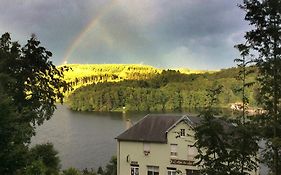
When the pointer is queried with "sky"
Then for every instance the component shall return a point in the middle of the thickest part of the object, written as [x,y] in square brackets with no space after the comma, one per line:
[195,34]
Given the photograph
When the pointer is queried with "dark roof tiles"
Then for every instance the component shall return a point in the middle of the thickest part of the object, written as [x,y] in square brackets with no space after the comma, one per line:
[151,128]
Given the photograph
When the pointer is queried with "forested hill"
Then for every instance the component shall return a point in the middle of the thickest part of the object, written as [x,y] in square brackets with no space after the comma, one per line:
[166,90]
[83,74]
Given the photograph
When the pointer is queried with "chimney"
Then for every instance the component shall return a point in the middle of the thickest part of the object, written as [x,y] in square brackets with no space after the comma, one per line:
[129,124]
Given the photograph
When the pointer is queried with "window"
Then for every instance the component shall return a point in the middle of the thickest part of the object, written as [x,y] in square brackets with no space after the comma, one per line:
[146,148]
[134,170]
[182,133]
[152,170]
[174,149]
[172,171]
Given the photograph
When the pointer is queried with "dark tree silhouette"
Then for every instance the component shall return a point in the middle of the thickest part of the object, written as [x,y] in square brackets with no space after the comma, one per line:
[30,86]
[265,39]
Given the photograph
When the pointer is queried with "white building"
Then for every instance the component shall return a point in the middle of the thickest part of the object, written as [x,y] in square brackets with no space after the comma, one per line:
[158,144]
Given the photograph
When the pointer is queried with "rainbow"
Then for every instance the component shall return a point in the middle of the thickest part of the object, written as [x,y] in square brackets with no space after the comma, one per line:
[92,24]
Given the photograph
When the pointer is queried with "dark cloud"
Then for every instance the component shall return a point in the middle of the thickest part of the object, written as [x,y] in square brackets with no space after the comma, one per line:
[195,33]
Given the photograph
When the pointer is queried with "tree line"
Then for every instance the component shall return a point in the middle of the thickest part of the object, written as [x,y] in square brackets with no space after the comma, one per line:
[82,74]
[169,90]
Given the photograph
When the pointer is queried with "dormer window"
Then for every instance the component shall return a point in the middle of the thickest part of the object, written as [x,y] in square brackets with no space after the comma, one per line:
[182,132]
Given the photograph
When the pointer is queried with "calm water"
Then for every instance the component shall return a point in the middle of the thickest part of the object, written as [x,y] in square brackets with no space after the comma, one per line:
[86,139]
[83,139]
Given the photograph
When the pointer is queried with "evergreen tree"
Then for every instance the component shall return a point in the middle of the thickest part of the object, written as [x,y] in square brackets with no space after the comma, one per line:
[224,148]
[211,139]
[100,171]
[243,137]
[265,39]
[111,167]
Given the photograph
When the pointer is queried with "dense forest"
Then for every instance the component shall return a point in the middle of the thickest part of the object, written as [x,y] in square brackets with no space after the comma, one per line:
[169,90]
[82,74]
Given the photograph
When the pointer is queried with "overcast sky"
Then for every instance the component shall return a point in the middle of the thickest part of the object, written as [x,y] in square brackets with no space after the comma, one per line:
[197,34]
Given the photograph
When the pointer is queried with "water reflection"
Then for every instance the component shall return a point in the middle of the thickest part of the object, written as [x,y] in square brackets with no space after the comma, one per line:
[84,139]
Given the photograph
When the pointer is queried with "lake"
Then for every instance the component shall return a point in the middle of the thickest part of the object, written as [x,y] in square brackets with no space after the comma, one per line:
[84,139]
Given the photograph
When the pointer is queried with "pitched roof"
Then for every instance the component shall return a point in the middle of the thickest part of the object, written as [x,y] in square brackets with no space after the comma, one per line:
[153,128]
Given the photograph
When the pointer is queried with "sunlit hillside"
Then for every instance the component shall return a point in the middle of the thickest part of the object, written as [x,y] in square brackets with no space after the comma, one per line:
[83,74]
[169,90]
[190,71]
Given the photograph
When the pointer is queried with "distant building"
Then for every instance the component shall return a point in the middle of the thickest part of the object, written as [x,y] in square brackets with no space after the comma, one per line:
[158,144]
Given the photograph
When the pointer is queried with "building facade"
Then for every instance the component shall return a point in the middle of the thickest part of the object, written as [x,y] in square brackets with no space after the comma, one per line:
[158,144]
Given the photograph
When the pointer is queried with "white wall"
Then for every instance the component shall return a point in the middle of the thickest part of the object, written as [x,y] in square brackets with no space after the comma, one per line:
[159,153]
